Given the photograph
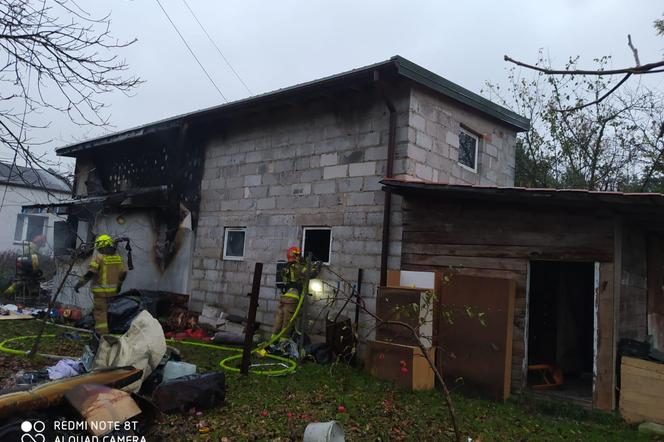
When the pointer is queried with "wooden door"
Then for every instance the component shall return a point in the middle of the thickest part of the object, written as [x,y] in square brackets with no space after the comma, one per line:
[473,333]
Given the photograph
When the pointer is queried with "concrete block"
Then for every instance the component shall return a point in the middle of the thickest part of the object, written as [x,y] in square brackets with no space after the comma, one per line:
[266,203]
[353,156]
[335,172]
[418,121]
[329,159]
[279,190]
[360,199]
[423,171]
[376,153]
[366,232]
[369,139]
[452,139]
[324,187]
[330,200]
[311,175]
[362,169]
[423,140]
[235,181]
[350,185]
[281,165]
[372,183]
[341,232]
[301,189]
[285,202]
[490,149]
[417,153]
[252,180]
[355,218]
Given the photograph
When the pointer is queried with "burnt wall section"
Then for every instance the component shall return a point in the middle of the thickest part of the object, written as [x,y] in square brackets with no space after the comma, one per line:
[172,158]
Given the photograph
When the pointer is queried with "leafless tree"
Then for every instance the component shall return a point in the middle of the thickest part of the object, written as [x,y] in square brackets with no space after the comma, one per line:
[585,133]
[55,56]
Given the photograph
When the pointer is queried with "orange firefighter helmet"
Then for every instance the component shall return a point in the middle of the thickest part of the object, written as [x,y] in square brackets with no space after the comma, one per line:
[293,254]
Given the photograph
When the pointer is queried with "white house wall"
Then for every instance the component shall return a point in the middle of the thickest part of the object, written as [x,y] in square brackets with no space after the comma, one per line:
[15,198]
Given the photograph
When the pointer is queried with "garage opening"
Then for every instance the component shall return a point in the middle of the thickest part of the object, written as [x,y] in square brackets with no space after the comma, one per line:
[561,328]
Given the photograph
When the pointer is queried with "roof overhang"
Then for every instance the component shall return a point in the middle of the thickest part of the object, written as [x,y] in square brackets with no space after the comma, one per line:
[148,197]
[396,67]
[618,201]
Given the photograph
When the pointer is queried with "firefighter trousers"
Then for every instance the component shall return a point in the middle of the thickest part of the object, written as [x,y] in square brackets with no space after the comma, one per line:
[100,313]
[285,311]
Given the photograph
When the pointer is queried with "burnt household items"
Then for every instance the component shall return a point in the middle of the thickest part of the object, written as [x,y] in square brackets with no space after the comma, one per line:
[293,276]
[26,287]
[107,271]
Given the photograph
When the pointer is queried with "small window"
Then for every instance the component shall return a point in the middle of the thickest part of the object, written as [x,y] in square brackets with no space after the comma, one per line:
[468,150]
[234,243]
[28,227]
[317,241]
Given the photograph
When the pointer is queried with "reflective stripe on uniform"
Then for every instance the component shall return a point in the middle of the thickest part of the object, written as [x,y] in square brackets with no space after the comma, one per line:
[292,294]
[107,289]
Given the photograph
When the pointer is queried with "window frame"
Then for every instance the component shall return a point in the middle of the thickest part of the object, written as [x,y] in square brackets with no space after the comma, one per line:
[304,237]
[463,130]
[25,224]
[227,230]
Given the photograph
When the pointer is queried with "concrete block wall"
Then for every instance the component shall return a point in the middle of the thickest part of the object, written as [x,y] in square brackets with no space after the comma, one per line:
[432,149]
[314,166]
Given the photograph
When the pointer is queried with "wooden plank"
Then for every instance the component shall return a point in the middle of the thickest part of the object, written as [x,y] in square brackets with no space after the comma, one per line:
[635,412]
[652,367]
[518,265]
[603,394]
[579,253]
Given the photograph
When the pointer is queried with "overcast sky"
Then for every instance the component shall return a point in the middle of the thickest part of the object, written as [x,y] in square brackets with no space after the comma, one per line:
[273,44]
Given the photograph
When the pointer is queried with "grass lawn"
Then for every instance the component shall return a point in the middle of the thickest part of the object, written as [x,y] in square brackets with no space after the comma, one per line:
[264,408]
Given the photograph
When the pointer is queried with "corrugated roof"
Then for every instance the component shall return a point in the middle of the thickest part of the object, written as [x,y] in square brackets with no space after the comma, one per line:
[523,194]
[28,177]
[396,65]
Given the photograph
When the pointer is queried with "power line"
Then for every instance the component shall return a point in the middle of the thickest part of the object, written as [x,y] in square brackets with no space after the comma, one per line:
[191,51]
[217,47]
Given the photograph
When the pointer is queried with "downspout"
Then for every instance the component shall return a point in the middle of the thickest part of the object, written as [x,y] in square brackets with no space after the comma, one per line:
[389,173]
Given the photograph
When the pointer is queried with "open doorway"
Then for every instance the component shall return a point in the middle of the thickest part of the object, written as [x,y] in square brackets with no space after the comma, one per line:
[561,328]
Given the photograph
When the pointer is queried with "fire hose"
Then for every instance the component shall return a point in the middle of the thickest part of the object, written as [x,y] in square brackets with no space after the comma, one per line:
[288,364]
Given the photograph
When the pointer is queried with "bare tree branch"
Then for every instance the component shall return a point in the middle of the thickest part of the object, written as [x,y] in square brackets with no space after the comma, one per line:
[74,61]
[634,50]
[636,70]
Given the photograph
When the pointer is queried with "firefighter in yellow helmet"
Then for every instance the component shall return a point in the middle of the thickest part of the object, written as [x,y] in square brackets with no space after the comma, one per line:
[293,275]
[107,272]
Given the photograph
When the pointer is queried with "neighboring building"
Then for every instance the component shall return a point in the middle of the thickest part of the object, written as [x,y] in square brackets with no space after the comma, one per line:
[24,186]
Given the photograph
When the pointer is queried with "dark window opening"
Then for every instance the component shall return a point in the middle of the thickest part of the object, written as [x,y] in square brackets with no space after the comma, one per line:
[317,241]
[234,243]
[468,150]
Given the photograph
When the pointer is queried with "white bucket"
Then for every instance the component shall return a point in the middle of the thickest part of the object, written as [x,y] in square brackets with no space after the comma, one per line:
[330,431]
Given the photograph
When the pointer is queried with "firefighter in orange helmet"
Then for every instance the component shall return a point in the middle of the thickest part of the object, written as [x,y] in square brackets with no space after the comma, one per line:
[293,275]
